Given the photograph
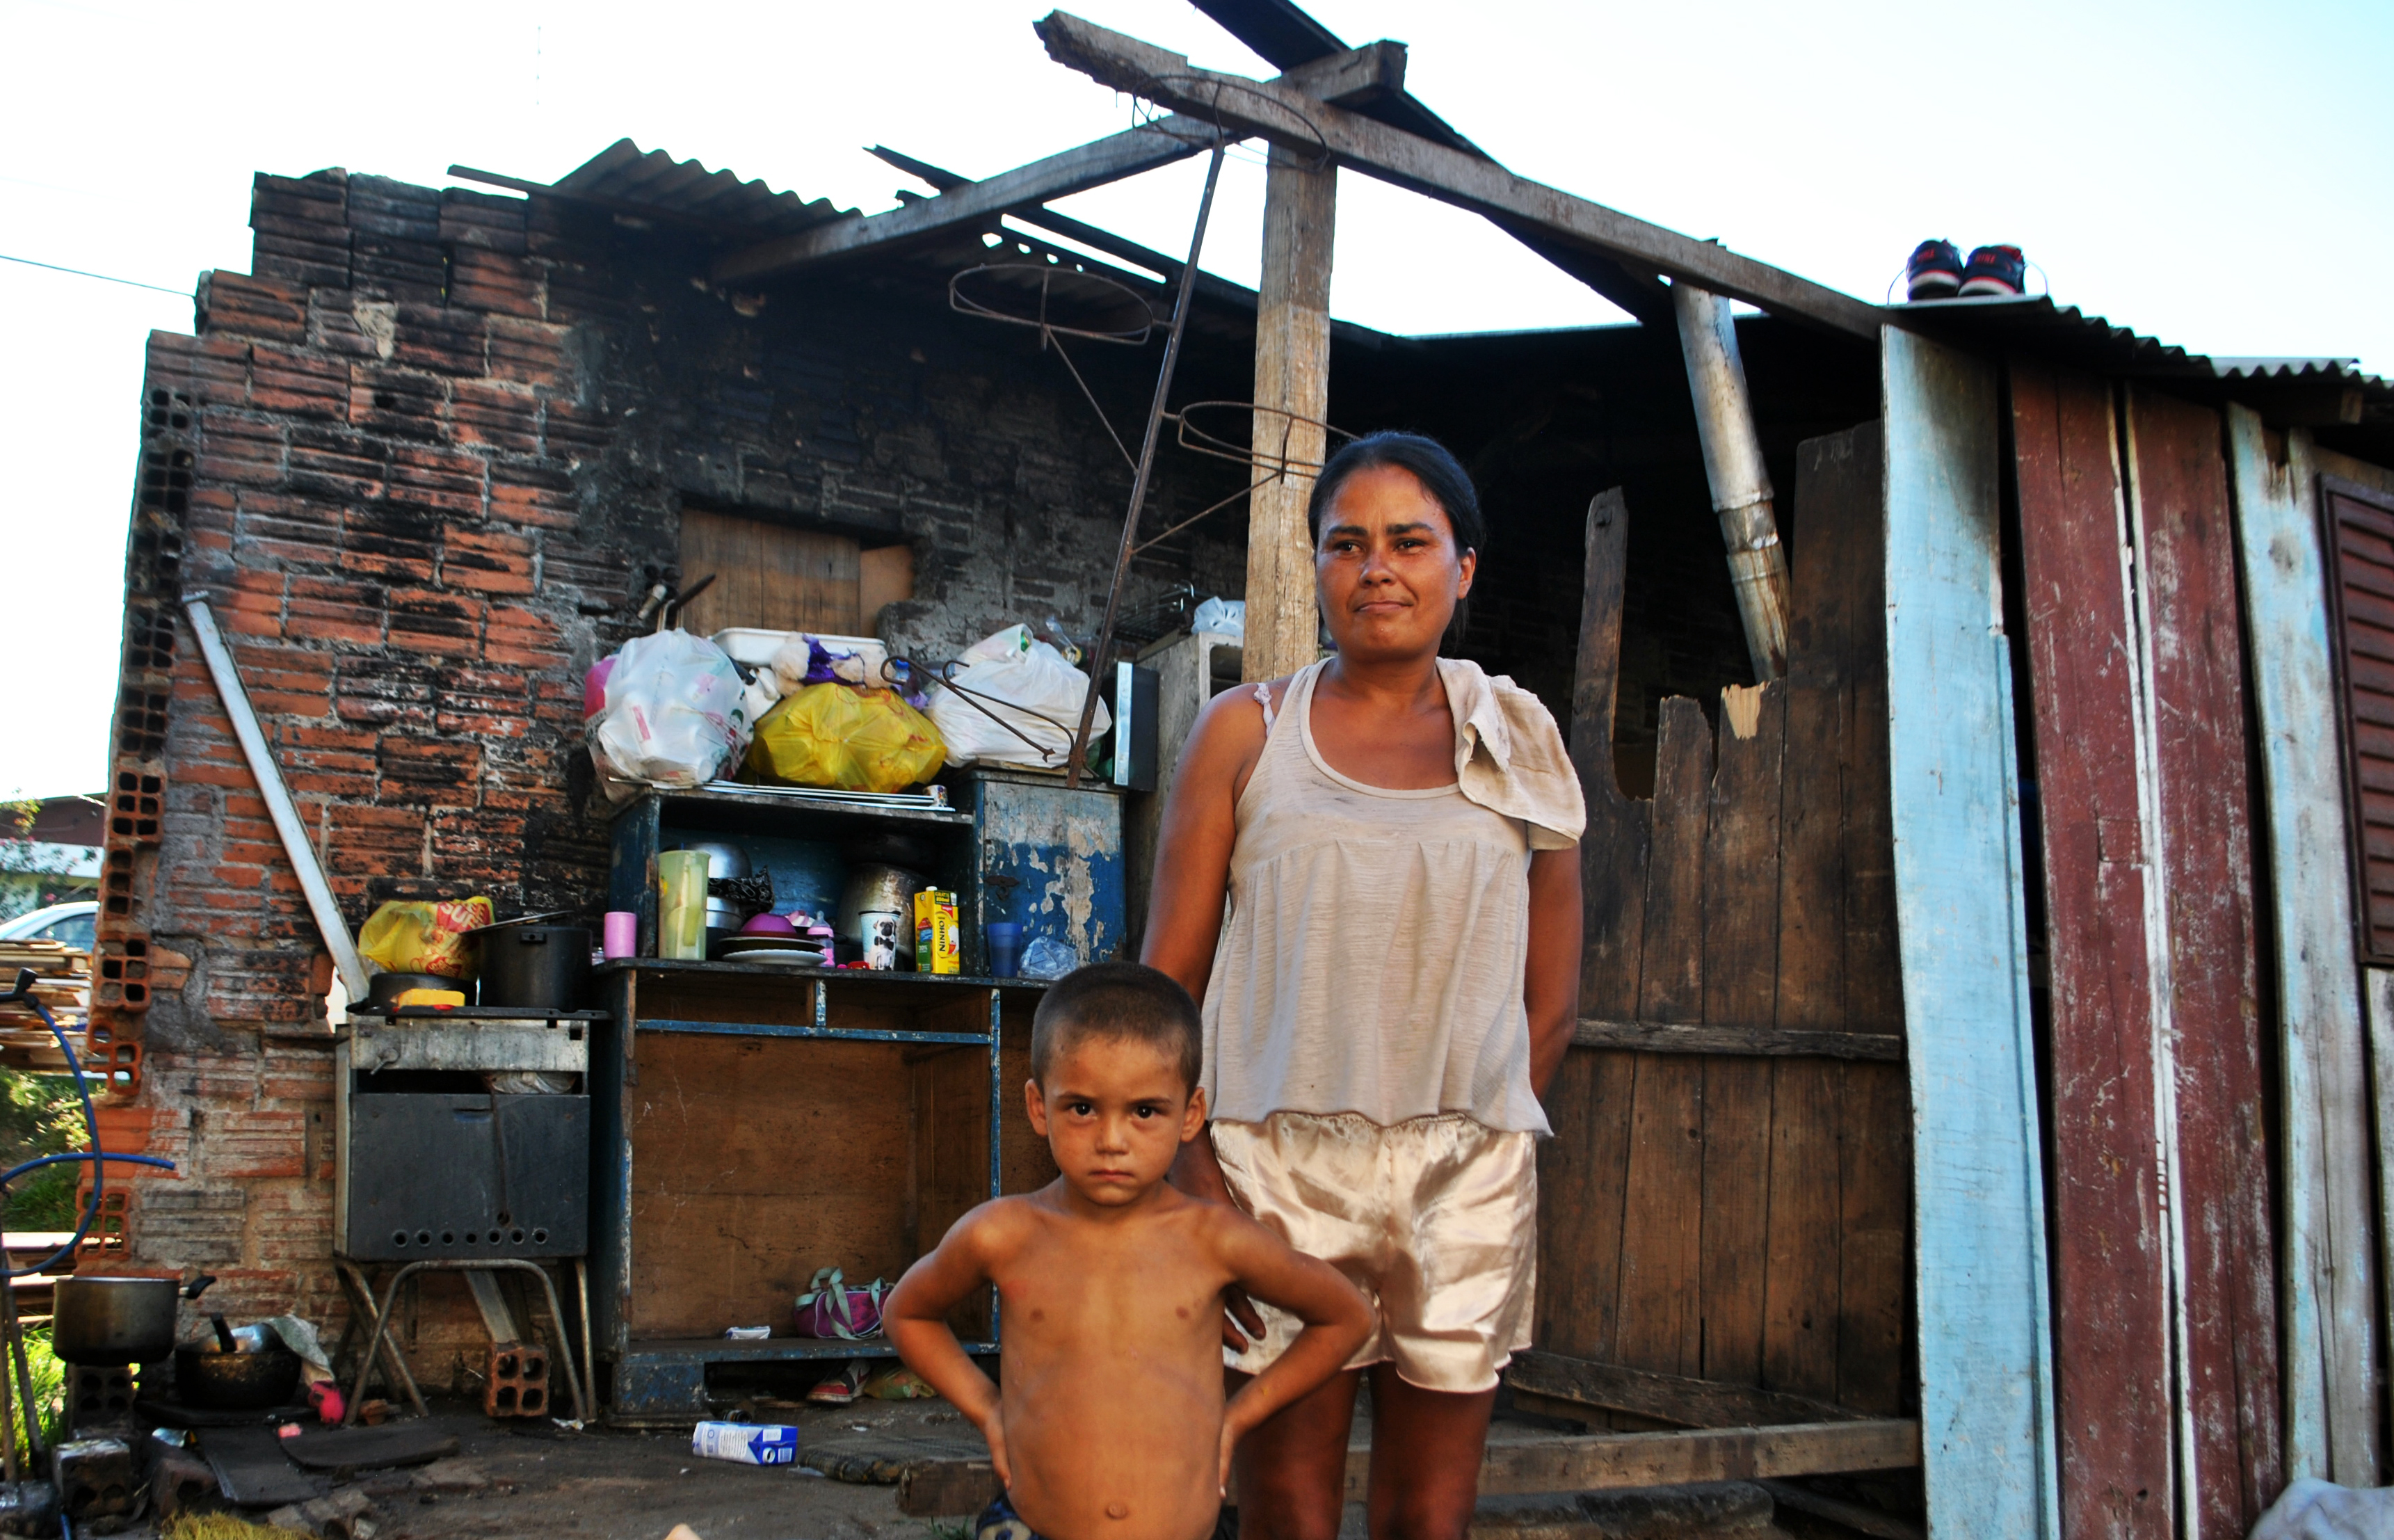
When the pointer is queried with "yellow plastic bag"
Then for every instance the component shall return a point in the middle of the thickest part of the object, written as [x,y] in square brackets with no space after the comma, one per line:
[424,937]
[837,735]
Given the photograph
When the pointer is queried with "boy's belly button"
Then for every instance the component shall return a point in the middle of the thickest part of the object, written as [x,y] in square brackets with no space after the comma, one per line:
[1117,1510]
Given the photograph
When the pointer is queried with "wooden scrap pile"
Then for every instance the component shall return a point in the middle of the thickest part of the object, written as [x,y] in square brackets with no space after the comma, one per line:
[64,986]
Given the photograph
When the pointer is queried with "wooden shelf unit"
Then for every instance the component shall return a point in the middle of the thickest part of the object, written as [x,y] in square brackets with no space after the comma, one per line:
[753,1124]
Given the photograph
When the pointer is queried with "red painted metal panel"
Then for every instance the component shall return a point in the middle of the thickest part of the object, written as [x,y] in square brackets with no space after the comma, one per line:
[2229,1286]
[2111,1344]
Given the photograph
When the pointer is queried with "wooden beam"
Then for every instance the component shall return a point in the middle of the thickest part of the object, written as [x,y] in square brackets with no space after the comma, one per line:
[1666,1398]
[1292,396]
[1731,1038]
[1368,69]
[1313,129]
[1597,1462]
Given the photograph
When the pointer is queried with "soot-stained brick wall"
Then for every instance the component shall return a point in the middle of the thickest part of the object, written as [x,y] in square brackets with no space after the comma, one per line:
[422,462]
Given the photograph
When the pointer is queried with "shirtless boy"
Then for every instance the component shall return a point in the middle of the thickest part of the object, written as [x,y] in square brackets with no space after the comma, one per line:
[1111,1424]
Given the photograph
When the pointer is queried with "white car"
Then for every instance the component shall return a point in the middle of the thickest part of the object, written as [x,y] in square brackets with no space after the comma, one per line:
[71,923]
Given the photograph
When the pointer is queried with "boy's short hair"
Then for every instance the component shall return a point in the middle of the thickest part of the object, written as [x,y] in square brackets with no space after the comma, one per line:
[1119,1000]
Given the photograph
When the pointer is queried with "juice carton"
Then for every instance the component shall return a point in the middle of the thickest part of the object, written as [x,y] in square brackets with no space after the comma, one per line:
[937,949]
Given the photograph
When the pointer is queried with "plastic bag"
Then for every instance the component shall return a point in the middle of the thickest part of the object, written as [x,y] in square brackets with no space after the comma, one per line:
[1005,672]
[836,735]
[424,937]
[674,712]
[831,1307]
[1047,957]
[1226,617]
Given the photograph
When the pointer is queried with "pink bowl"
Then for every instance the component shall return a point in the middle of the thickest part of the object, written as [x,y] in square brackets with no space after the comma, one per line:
[768,925]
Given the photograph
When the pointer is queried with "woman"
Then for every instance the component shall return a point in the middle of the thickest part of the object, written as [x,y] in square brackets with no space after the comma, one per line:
[1387,992]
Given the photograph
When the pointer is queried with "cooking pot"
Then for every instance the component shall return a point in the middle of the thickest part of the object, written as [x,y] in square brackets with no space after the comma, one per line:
[542,966]
[877,885]
[111,1321]
[207,1376]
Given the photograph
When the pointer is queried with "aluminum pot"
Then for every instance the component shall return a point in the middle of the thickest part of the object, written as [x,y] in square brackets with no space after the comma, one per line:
[877,885]
[543,966]
[106,1321]
[207,1376]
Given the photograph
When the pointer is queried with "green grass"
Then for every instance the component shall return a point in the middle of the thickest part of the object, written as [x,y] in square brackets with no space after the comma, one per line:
[40,1115]
[49,1380]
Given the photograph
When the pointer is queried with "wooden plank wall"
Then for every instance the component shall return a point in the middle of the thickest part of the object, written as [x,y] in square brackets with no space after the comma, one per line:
[2137,711]
[2330,1297]
[1986,1386]
[2112,1245]
[1740,1218]
[2201,806]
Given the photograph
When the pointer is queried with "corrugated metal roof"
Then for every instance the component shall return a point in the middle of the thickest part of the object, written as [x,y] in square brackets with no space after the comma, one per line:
[623,173]
[2065,331]
[2341,369]
[2312,392]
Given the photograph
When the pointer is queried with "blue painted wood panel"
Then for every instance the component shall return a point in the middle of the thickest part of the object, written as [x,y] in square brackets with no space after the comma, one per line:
[1986,1368]
[1051,859]
[2330,1279]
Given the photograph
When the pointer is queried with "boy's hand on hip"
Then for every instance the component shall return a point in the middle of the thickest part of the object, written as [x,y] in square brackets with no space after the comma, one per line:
[993,1431]
[1239,1315]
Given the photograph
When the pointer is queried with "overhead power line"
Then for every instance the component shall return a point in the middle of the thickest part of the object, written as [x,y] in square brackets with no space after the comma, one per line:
[128,282]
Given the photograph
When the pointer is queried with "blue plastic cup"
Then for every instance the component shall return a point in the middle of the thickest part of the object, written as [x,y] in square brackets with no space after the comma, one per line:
[1005,949]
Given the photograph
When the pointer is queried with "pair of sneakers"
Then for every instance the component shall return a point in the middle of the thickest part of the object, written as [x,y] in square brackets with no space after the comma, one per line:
[1937,271]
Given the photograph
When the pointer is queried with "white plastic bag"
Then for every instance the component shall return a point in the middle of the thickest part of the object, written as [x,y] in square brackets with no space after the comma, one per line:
[1003,672]
[1047,957]
[1226,617]
[673,713]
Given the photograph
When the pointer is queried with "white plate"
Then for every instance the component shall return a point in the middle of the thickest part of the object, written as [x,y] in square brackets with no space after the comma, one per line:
[779,959]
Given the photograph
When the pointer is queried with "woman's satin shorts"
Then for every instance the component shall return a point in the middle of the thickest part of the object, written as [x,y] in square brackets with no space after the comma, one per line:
[1435,1219]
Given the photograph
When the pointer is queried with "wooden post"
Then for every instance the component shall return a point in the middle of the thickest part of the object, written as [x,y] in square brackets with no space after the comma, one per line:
[1292,375]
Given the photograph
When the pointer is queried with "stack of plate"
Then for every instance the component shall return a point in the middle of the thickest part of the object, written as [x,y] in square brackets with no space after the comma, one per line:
[779,951]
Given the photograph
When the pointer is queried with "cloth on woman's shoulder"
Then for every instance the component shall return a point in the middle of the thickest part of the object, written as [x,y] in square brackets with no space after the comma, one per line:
[1509,756]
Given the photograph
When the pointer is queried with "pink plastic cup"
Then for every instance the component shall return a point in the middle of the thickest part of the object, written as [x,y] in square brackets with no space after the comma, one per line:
[620,936]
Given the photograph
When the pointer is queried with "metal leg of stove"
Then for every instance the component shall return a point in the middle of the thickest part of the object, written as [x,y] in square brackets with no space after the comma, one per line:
[564,1342]
[589,1364]
[374,1344]
[353,1280]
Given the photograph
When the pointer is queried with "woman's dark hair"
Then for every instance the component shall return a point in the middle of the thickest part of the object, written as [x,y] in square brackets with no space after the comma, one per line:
[1440,475]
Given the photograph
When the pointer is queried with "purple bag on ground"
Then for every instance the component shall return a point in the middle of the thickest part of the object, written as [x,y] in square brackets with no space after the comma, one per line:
[830,1308]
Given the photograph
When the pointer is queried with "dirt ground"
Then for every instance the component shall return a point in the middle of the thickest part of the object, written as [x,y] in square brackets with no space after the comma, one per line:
[538,1480]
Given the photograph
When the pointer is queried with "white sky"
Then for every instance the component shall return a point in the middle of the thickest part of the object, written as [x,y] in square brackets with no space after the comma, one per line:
[2219,175]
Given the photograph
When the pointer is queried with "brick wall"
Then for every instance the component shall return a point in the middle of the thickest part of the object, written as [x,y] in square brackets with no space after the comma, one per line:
[422,461]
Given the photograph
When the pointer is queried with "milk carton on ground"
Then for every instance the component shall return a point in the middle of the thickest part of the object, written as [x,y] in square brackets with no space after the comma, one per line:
[746,1443]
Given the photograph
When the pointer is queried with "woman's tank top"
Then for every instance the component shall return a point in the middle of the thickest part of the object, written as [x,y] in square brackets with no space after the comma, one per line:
[1370,958]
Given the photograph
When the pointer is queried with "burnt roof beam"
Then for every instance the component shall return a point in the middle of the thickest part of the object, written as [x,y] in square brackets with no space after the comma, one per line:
[1308,126]
[1375,68]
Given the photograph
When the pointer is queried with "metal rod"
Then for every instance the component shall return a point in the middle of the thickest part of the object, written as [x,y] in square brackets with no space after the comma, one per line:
[1146,468]
[285,813]
[589,1364]
[1742,494]
[21,1368]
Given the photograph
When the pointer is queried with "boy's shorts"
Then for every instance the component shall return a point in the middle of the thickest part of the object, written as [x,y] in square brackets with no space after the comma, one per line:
[1434,1218]
[999,1522]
